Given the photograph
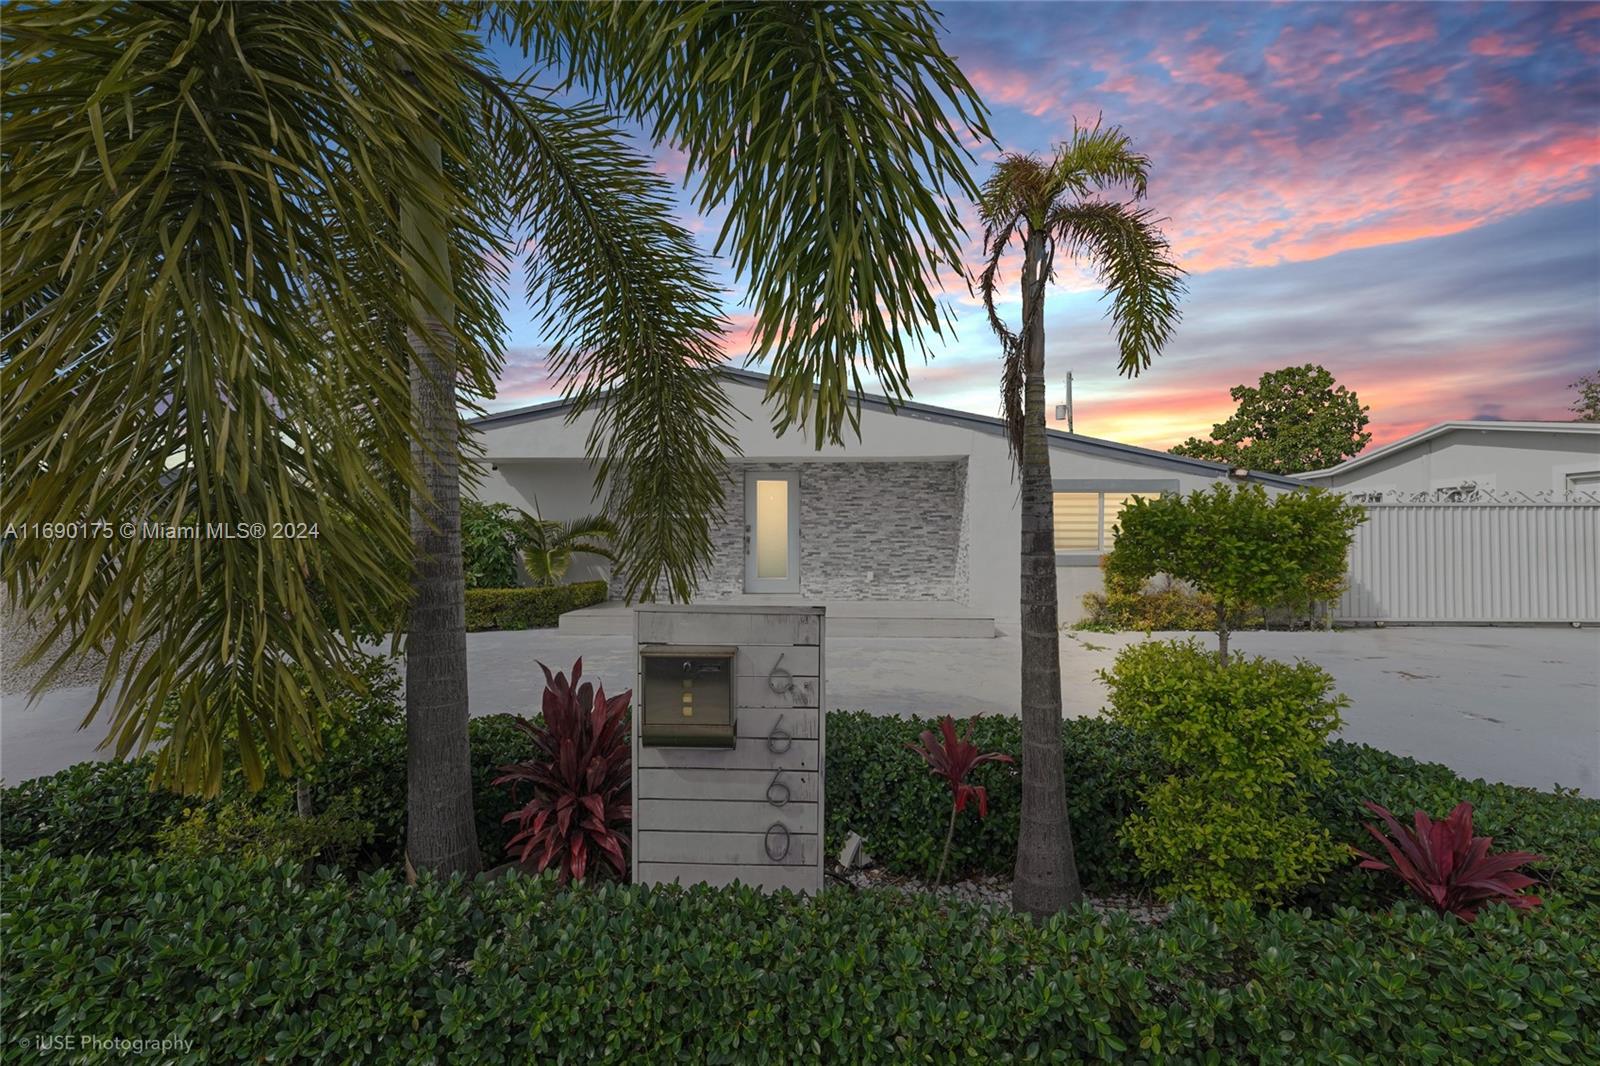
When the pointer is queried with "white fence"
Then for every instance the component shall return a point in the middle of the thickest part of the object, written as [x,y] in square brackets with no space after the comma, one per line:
[1475,562]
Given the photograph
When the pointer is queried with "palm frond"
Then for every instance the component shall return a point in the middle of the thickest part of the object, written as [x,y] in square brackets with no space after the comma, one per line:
[1095,157]
[203,274]
[632,317]
[829,134]
[1134,263]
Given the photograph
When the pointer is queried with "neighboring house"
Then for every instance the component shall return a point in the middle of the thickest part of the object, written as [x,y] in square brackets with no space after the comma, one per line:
[912,530]
[1476,523]
[1466,460]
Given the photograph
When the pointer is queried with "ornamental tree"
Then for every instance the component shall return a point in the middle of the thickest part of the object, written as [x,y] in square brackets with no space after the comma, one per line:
[1242,547]
[1587,405]
[1295,419]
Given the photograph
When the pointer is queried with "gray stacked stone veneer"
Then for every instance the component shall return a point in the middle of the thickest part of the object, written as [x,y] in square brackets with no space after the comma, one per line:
[868,531]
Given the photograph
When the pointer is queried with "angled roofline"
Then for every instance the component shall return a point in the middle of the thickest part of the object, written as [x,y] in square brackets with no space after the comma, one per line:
[947,416]
[1441,429]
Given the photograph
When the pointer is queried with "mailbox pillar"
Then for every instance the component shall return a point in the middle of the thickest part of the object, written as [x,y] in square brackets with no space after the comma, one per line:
[728,741]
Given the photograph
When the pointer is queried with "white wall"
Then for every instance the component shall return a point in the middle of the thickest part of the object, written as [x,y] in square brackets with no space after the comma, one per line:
[1500,459]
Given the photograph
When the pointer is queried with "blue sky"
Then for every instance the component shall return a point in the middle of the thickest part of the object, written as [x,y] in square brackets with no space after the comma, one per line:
[1408,194]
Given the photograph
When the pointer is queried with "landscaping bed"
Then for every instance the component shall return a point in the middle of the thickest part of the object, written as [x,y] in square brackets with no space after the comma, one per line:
[875,788]
[257,962]
[236,930]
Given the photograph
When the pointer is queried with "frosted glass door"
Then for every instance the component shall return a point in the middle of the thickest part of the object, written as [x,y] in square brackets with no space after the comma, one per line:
[772,532]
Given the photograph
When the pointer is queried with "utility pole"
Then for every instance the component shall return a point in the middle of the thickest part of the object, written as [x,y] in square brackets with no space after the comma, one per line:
[1064,410]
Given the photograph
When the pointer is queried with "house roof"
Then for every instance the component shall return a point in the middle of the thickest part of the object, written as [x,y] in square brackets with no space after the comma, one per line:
[964,419]
[1579,428]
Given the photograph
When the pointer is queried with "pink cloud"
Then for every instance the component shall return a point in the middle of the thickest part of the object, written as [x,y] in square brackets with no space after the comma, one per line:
[1499,46]
[1417,82]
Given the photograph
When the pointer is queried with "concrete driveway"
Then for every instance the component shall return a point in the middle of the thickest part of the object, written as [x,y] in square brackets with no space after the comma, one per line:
[1515,705]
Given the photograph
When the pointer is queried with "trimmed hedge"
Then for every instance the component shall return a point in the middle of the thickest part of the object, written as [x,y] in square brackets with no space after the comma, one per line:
[90,807]
[107,807]
[883,792]
[253,962]
[529,608]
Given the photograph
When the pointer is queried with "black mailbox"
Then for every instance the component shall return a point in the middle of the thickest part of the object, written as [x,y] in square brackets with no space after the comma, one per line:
[688,697]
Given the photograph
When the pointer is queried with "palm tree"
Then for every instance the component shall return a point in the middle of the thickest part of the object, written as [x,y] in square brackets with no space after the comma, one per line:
[1046,205]
[254,252]
[548,546]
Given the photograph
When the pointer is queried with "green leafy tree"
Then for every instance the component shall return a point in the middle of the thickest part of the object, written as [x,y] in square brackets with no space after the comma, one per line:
[253,253]
[1244,548]
[1295,419]
[491,540]
[1587,405]
[1046,205]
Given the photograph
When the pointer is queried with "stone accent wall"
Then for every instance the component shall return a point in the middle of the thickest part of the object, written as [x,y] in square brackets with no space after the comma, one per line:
[868,531]
[881,531]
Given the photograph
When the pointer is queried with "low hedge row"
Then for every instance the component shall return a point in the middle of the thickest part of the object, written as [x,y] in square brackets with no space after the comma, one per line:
[107,807]
[529,608]
[878,789]
[252,962]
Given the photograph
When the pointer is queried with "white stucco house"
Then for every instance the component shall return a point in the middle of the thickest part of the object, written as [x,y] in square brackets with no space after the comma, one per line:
[1463,460]
[913,530]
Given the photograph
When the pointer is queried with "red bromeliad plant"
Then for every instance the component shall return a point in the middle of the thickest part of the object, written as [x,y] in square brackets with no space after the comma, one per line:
[1447,867]
[582,792]
[952,759]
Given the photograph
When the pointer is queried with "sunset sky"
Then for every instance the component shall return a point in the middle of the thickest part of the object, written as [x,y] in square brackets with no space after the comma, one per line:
[1408,194]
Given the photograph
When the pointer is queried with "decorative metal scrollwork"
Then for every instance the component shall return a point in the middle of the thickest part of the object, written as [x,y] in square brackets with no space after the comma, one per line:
[776,854]
[1468,492]
[779,680]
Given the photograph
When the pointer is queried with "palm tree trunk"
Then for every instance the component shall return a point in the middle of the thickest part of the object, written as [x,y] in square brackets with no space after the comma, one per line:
[441,830]
[1046,875]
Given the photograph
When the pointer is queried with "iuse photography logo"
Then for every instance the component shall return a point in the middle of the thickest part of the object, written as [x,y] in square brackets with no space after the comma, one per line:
[101,1044]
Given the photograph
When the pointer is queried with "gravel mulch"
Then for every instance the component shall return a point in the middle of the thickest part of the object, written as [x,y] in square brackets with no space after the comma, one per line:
[994,890]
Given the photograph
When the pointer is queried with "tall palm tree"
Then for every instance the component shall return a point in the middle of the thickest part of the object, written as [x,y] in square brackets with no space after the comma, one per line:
[1044,205]
[254,250]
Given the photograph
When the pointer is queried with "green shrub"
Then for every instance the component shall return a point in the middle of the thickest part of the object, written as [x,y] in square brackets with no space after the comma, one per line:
[372,778]
[90,807]
[240,830]
[109,807]
[491,541]
[529,608]
[252,963]
[1241,744]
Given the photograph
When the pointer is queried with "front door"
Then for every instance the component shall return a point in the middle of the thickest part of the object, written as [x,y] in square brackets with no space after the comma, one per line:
[772,532]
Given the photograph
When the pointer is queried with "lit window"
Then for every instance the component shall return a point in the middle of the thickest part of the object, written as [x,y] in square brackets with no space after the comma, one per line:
[1087,521]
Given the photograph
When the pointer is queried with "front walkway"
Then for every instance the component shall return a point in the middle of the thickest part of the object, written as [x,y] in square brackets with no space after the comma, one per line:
[1517,705]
